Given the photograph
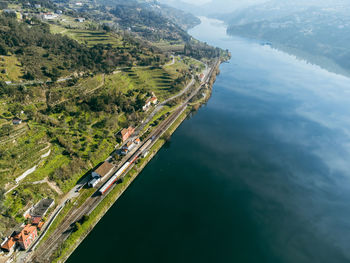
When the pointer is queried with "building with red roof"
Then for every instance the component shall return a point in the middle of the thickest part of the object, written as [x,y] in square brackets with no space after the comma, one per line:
[126,133]
[9,245]
[25,238]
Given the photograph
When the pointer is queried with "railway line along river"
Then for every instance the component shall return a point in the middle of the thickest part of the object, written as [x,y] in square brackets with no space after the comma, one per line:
[259,174]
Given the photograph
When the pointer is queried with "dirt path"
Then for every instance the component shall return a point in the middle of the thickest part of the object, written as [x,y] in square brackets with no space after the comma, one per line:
[52,185]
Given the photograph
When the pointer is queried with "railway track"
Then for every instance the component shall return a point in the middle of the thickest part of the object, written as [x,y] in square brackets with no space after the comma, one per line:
[45,251]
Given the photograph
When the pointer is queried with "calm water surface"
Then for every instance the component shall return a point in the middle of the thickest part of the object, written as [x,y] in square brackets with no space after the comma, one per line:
[260,174]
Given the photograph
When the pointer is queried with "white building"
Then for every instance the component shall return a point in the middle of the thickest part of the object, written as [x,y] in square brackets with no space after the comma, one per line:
[49,16]
[94,182]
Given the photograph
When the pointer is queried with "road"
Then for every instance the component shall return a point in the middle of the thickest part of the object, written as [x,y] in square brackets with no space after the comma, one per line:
[61,233]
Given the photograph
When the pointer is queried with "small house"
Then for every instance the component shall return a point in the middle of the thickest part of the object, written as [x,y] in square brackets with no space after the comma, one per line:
[126,133]
[16,121]
[41,208]
[94,182]
[129,146]
[80,19]
[49,16]
[151,101]
[37,6]
[9,245]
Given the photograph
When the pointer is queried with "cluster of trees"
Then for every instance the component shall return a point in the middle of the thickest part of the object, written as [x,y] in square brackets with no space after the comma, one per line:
[199,50]
[66,172]
[52,55]
[180,82]
[32,3]
[114,102]
[148,23]
[18,94]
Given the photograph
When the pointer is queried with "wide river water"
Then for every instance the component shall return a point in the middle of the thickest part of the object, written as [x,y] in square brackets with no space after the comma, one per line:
[259,174]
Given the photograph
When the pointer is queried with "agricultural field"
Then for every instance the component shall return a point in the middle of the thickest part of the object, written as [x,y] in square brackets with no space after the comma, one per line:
[10,68]
[86,36]
[170,47]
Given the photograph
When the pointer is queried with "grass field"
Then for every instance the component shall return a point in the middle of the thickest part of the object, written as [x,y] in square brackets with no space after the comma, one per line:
[170,47]
[10,68]
[89,37]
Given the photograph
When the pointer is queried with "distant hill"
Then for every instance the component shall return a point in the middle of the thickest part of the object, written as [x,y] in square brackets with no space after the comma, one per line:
[318,31]
[208,8]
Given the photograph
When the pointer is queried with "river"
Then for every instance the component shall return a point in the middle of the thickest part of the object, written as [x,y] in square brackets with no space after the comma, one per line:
[261,173]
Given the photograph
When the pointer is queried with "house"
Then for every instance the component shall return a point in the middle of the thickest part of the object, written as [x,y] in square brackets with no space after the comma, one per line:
[146,106]
[151,101]
[129,146]
[154,100]
[137,141]
[79,4]
[9,245]
[126,133]
[41,208]
[16,121]
[94,182]
[59,12]
[49,16]
[104,170]
[80,19]
[37,6]
[25,238]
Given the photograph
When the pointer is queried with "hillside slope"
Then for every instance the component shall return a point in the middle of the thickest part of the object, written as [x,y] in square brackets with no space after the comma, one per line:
[317,31]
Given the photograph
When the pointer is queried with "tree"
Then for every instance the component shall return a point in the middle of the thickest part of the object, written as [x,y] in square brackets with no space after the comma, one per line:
[77,226]
[3,49]
[166,136]
[6,129]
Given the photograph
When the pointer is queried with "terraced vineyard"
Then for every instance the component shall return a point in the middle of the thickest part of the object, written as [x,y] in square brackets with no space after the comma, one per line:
[89,37]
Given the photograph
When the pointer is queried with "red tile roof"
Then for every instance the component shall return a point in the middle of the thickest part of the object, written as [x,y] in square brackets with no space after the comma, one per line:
[36,220]
[9,244]
[27,235]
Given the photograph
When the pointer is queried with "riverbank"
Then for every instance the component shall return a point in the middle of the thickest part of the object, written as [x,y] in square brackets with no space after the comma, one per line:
[82,230]
[253,170]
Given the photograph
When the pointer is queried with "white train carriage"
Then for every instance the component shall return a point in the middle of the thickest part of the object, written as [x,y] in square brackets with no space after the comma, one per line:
[114,178]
